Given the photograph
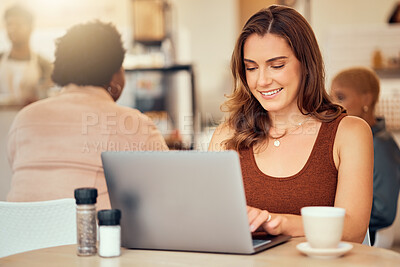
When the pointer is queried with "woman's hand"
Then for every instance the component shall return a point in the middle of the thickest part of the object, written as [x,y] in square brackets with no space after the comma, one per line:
[263,220]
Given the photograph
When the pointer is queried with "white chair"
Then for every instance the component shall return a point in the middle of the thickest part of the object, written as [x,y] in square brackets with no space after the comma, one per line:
[367,240]
[384,237]
[27,226]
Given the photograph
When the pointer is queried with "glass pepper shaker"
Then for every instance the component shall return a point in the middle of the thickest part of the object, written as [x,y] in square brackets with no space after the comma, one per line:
[86,199]
[109,232]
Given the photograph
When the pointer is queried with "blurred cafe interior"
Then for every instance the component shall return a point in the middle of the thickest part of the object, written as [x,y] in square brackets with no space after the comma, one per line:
[177,63]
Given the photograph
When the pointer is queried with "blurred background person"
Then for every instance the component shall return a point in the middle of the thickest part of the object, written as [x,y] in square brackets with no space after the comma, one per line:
[24,75]
[357,89]
[55,144]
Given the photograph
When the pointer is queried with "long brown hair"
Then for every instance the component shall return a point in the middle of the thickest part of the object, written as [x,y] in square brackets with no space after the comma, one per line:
[247,117]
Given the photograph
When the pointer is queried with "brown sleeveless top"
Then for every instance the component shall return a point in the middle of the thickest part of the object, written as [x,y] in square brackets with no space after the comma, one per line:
[314,185]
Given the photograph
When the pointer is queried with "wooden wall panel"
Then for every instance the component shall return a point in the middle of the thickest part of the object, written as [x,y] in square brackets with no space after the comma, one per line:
[148,20]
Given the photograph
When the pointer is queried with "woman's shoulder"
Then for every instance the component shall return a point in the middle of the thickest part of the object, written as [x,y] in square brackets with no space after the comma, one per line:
[224,129]
[222,133]
[353,129]
[353,123]
[353,146]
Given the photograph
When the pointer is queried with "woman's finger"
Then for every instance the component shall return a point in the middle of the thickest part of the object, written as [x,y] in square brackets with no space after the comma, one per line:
[259,220]
[252,214]
[273,227]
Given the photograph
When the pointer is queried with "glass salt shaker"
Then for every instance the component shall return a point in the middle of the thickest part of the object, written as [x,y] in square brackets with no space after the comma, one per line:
[86,199]
[110,233]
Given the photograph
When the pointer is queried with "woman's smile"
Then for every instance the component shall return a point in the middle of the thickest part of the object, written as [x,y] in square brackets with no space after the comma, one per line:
[270,93]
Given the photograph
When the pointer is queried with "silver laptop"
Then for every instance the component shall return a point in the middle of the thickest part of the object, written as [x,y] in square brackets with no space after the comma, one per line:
[182,200]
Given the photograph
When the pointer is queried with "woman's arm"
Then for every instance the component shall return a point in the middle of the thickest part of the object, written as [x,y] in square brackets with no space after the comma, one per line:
[354,159]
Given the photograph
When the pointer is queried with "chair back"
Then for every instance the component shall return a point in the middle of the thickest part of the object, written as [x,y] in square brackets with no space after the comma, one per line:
[27,226]
[367,240]
[384,238]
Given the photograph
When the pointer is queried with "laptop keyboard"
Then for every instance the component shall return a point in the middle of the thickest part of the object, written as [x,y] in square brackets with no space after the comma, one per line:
[260,242]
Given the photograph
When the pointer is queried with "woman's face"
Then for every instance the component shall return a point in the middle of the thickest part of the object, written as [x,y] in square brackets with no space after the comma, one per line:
[349,98]
[273,72]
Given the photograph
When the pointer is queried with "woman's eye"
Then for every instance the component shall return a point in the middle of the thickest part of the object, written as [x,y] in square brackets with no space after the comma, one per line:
[250,68]
[278,66]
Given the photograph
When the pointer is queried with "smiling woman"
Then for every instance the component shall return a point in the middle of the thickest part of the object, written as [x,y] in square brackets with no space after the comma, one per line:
[297,148]
[272,60]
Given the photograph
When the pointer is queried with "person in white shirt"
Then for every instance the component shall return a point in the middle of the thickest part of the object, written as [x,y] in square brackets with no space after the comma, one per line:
[24,75]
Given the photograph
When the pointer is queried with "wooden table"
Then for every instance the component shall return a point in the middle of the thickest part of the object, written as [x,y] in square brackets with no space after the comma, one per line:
[282,255]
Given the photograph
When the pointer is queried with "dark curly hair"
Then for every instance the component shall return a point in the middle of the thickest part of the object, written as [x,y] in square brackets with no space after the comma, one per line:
[88,54]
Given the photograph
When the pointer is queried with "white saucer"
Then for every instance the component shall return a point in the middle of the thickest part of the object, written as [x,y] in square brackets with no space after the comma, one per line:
[324,253]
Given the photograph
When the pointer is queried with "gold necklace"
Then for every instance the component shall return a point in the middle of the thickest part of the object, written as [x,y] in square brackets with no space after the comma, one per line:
[277,141]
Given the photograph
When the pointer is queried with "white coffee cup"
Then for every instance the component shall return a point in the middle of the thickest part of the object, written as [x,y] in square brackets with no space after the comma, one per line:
[323,226]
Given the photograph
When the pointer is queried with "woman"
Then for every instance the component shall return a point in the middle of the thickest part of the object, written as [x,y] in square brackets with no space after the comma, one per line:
[297,148]
[55,144]
[357,89]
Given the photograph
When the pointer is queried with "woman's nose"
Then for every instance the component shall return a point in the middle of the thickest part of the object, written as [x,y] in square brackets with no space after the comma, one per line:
[264,78]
